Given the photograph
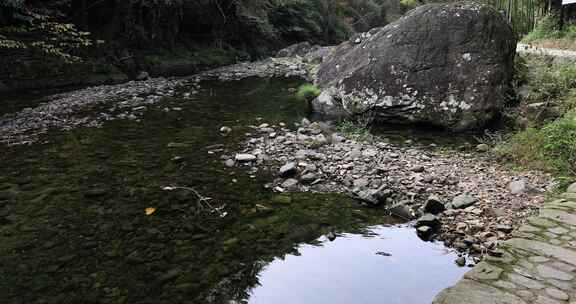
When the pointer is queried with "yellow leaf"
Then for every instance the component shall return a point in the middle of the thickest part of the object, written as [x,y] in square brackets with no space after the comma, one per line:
[150,210]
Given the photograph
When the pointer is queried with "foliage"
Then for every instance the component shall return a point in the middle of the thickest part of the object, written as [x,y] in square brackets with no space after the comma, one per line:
[547,27]
[548,81]
[203,57]
[27,30]
[320,21]
[552,147]
[307,92]
[354,130]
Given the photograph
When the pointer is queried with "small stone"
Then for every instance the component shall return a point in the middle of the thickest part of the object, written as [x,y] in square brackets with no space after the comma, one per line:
[462,201]
[361,183]
[290,184]
[229,163]
[225,130]
[482,148]
[428,220]
[557,294]
[331,236]
[308,178]
[571,188]
[337,138]
[518,187]
[461,261]
[143,75]
[504,228]
[552,273]
[418,169]
[424,231]
[245,157]
[289,169]
[434,205]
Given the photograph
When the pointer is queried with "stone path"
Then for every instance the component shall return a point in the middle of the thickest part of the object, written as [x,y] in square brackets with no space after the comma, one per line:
[538,265]
[540,51]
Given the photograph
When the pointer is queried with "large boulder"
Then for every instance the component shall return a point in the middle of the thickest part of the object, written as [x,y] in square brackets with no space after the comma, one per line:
[449,65]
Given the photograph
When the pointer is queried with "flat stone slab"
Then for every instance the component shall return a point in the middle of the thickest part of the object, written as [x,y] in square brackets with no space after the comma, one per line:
[539,264]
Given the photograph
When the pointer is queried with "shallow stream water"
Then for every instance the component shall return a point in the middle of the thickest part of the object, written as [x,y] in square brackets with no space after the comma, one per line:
[86,217]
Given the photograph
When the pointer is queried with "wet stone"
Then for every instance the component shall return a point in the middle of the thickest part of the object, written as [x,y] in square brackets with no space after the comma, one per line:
[542,222]
[552,273]
[559,230]
[538,259]
[524,281]
[557,294]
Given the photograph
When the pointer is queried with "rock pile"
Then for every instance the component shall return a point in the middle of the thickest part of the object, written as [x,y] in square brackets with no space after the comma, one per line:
[459,197]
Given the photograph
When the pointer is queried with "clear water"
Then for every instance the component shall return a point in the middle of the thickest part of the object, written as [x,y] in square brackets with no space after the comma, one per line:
[73,227]
[389,265]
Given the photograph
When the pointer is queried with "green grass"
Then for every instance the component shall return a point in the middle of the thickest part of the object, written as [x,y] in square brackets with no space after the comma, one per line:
[551,148]
[354,131]
[547,81]
[548,33]
[307,92]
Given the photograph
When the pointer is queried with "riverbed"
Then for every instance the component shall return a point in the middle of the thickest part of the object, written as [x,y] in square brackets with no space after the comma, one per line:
[142,210]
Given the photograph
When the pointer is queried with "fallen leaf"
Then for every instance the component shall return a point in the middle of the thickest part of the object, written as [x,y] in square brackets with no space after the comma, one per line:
[150,210]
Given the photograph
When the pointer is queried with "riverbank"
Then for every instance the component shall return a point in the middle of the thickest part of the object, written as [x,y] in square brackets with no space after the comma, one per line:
[535,266]
[464,198]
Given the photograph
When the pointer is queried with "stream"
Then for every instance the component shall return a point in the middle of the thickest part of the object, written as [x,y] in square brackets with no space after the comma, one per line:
[112,215]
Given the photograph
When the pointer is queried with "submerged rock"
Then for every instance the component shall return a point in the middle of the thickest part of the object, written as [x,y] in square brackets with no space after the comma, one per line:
[449,65]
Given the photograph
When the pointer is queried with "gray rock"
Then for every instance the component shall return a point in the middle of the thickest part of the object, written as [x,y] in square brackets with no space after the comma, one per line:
[225,130]
[245,157]
[571,188]
[482,148]
[461,261]
[308,178]
[143,75]
[402,211]
[504,228]
[424,232]
[414,70]
[434,205]
[417,169]
[361,183]
[229,163]
[429,220]
[288,170]
[373,196]
[337,138]
[290,184]
[462,201]
[517,187]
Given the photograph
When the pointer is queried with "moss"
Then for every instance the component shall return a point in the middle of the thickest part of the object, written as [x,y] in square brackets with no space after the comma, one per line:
[307,92]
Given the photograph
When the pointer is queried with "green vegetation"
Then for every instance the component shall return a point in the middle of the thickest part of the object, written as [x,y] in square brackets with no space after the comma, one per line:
[547,32]
[549,140]
[307,92]
[28,31]
[550,148]
[203,57]
[354,130]
[547,81]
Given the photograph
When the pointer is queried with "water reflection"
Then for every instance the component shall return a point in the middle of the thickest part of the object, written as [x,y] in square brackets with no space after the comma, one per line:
[394,267]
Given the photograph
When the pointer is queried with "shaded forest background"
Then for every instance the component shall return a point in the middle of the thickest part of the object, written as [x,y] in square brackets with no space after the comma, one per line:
[116,39]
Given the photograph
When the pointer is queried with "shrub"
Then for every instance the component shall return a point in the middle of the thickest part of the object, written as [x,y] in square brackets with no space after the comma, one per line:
[547,27]
[551,148]
[354,131]
[307,92]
